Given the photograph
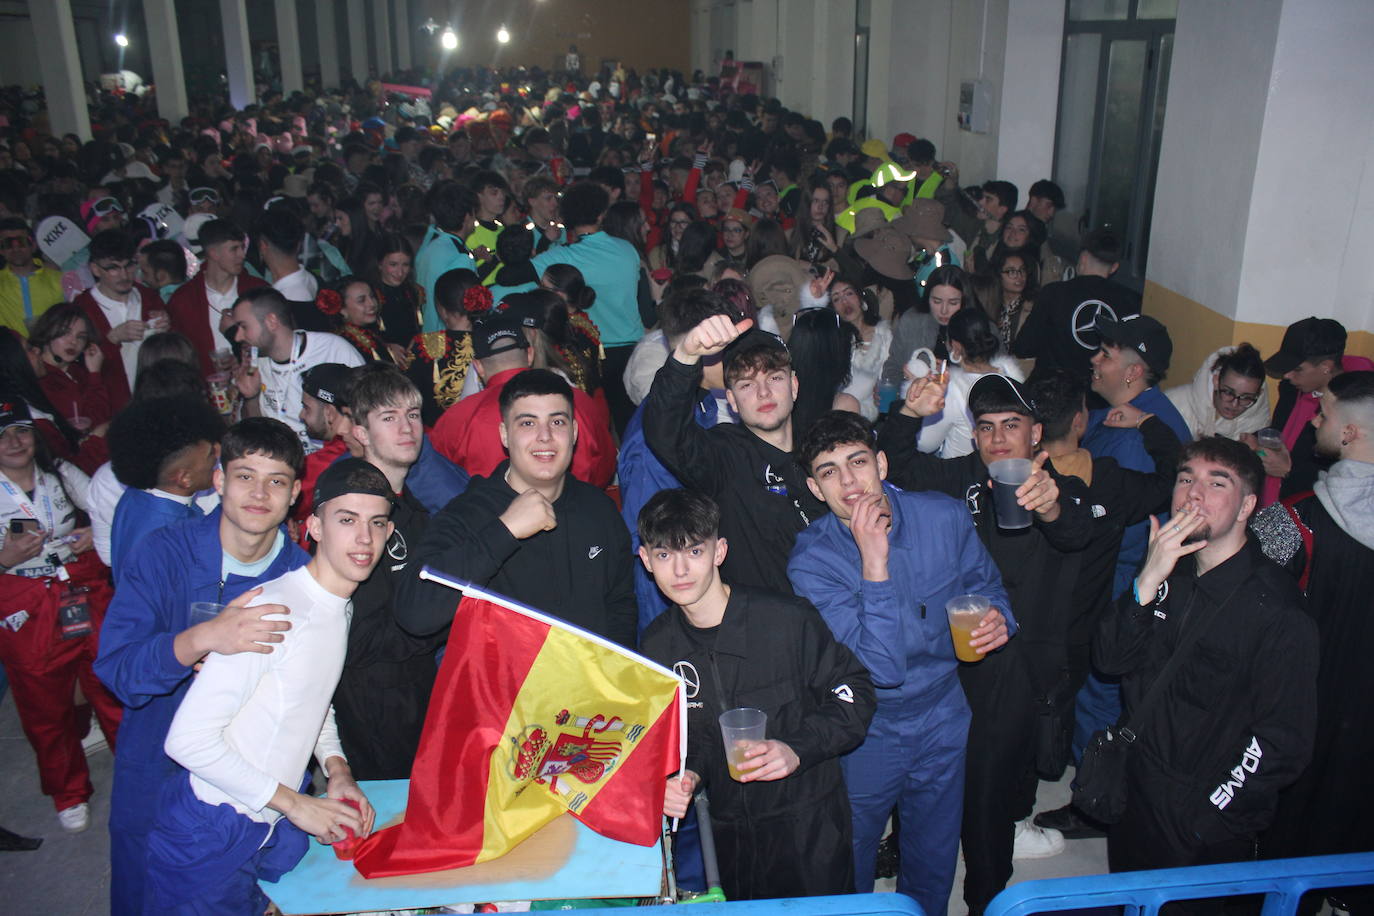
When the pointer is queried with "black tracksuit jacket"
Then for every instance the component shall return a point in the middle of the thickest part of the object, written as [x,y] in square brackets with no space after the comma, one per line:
[793,836]
[580,571]
[388,674]
[1234,725]
[762,493]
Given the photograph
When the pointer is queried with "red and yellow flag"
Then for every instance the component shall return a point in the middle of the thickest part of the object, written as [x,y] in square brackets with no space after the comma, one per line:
[531,717]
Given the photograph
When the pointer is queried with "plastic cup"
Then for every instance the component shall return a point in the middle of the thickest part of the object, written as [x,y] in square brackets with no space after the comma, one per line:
[80,424]
[1008,474]
[1269,438]
[965,613]
[741,729]
[223,359]
[201,611]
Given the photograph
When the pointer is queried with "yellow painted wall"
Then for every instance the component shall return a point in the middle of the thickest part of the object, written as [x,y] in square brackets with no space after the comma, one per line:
[1196,331]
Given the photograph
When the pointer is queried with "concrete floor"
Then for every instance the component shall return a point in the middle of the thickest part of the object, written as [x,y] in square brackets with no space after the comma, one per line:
[70,874]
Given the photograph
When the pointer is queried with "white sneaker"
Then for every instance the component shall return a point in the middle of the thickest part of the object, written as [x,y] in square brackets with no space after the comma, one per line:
[1034,842]
[76,818]
[94,741]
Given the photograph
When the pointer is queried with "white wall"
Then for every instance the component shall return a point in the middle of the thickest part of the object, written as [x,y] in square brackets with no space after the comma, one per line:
[919,53]
[1030,88]
[1313,191]
[1218,86]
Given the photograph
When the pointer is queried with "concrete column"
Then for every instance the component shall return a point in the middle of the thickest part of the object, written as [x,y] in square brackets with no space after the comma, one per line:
[238,54]
[703,12]
[832,60]
[164,47]
[1246,110]
[289,47]
[327,34]
[1030,92]
[402,34]
[357,41]
[381,18]
[60,65]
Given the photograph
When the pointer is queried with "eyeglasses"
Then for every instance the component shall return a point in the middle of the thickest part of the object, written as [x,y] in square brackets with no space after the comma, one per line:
[1245,400]
[115,267]
[15,241]
[1013,271]
[684,223]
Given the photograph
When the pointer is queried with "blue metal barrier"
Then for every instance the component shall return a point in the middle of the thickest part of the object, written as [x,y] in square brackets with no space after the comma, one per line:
[1281,881]
[848,905]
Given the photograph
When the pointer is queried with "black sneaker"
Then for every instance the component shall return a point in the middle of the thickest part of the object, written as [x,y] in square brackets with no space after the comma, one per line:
[888,859]
[1068,821]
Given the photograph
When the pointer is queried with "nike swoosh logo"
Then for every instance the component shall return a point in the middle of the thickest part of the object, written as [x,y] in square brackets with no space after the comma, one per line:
[592,553]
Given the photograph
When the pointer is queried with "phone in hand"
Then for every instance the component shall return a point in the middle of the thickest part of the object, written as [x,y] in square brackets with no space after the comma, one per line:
[24,526]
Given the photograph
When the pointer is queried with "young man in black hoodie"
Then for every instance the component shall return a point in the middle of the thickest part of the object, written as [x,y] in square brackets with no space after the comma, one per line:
[1000,780]
[383,693]
[1119,497]
[747,468]
[782,828]
[531,530]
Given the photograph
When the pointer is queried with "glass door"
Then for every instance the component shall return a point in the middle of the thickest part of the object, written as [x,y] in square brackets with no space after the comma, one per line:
[1113,86]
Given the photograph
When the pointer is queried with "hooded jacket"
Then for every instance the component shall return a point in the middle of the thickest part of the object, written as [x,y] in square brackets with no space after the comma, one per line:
[1194,403]
[1326,540]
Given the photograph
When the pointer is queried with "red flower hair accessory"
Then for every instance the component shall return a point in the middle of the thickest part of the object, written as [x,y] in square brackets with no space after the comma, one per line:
[329,301]
[477,300]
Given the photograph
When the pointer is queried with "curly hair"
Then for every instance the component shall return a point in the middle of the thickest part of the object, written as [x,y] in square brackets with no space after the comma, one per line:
[149,434]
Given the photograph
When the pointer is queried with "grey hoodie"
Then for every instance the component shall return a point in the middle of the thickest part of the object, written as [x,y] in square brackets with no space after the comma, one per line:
[1347,493]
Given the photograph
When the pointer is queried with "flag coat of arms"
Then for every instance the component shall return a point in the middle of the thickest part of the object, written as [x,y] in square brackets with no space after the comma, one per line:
[531,717]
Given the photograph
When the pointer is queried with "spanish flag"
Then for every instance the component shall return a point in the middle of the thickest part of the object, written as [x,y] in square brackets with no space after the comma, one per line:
[531,717]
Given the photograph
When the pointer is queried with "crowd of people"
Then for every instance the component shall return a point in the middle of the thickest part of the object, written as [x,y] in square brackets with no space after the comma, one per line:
[697,374]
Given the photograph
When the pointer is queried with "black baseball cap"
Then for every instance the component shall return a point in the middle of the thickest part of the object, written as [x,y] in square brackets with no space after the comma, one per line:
[329,382]
[496,333]
[14,413]
[525,308]
[1140,333]
[351,475]
[1305,339]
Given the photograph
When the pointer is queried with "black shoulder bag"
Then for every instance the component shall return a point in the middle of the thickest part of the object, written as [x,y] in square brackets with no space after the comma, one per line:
[1100,790]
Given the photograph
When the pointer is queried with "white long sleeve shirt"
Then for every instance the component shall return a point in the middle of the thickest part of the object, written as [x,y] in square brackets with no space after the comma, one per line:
[250,721]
